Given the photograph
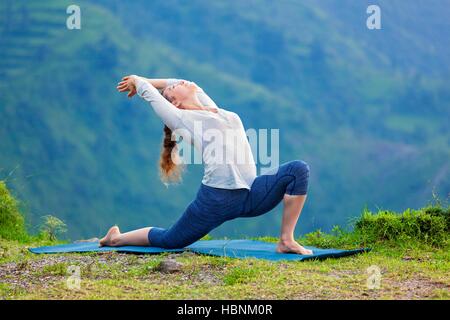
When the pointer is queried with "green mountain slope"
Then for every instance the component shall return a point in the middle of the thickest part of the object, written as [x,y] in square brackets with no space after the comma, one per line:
[372,130]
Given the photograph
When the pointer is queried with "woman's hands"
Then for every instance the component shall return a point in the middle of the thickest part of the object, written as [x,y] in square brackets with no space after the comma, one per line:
[128,83]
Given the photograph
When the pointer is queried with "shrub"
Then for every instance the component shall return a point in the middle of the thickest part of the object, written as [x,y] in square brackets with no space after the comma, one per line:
[428,225]
[12,225]
[52,227]
[439,212]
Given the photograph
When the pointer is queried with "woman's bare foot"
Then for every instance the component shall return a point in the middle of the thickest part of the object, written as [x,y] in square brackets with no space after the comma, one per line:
[111,238]
[291,246]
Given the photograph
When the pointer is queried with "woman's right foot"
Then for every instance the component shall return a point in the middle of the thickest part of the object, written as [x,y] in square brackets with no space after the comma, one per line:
[292,246]
[111,238]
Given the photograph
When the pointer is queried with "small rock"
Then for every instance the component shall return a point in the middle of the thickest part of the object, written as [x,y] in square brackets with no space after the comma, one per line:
[169,266]
[407,258]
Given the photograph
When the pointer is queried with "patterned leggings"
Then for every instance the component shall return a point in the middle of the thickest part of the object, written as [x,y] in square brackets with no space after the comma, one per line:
[213,206]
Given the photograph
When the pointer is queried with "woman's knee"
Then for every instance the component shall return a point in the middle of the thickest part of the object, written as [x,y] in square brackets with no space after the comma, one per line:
[177,236]
[300,168]
[156,237]
[161,238]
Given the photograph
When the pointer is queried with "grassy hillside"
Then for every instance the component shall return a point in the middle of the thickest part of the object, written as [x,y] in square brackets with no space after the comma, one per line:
[370,120]
[410,257]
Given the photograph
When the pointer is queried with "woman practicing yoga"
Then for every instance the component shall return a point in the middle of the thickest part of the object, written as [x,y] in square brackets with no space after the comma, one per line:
[229,189]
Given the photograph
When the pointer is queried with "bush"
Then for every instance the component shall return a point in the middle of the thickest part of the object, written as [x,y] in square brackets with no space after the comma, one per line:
[12,225]
[429,225]
[439,212]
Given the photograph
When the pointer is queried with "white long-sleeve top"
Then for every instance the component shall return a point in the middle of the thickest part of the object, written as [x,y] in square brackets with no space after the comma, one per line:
[221,138]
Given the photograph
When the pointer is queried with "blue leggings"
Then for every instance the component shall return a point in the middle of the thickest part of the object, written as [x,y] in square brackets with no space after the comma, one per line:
[214,206]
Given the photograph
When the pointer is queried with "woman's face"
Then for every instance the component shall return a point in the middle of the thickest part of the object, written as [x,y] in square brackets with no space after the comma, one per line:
[180,92]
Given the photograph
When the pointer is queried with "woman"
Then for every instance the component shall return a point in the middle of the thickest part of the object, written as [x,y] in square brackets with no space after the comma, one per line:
[229,189]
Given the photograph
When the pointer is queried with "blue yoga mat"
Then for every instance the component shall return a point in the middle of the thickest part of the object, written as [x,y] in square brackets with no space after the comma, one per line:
[94,247]
[224,248]
[264,250]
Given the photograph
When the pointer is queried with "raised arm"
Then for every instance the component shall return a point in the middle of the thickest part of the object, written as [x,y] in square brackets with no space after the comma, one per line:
[169,114]
[157,83]
[201,94]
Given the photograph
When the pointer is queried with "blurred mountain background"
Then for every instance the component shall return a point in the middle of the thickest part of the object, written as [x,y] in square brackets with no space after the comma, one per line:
[367,109]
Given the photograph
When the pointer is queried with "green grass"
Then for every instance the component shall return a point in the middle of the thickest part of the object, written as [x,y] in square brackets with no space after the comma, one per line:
[410,250]
[240,275]
[407,272]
